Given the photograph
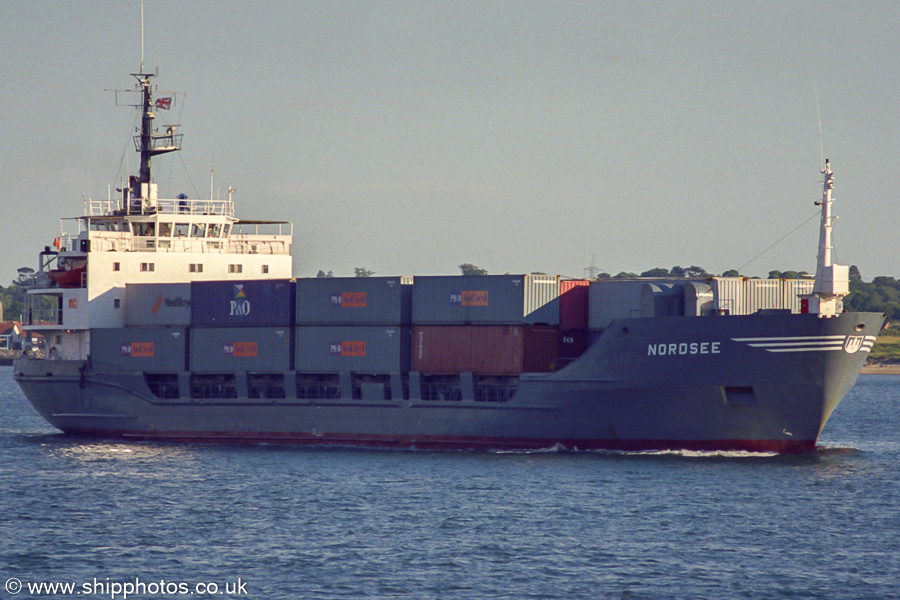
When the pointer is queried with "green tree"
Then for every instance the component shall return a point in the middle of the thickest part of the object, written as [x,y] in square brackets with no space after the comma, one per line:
[657,272]
[731,273]
[13,301]
[25,273]
[363,272]
[695,271]
[470,269]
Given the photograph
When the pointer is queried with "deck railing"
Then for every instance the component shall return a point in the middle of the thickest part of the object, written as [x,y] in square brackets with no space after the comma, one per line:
[168,206]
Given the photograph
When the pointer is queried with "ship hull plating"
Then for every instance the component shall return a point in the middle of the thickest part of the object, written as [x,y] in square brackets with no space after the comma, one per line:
[757,383]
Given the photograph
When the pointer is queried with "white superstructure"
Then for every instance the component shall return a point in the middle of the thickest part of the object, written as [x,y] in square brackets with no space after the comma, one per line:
[141,238]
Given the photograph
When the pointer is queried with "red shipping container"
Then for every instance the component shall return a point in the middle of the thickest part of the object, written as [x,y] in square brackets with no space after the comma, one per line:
[574,303]
[484,349]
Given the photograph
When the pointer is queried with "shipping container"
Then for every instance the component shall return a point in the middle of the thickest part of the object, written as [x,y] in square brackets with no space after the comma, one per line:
[574,303]
[572,344]
[764,294]
[730,295]
[157,304]
[248,303]
[354,300]
[148,349]
[247,349]
[793,289]
[484,349]
[352,348]
[486,299]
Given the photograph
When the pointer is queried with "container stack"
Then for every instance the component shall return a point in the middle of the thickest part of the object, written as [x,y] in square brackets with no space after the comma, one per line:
[242,326]
[353,324]
[489,325]
[574,318]
[155,338]
[660,297]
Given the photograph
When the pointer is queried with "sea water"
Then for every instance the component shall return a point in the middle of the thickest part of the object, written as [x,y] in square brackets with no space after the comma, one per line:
[97,519]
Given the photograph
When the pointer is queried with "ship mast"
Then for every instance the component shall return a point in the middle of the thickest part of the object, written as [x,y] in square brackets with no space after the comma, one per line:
[832,281]
[150,144]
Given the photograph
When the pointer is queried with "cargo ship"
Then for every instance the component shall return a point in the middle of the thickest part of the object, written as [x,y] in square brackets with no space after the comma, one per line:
[173,319]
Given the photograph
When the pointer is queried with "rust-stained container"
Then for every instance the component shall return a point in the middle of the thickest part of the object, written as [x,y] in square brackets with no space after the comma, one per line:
[574,304]
[486,300]
[353,348]
[354,300]
[229,349]
[484,349]
[148,349]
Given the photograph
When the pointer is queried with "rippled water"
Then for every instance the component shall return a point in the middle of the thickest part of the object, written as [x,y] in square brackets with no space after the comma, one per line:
[287,522]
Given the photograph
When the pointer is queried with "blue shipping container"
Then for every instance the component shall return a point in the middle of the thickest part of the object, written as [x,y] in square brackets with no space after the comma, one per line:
[229,349]
[149,349]
[247,303]
[354,348]
[354,300]
[486,300]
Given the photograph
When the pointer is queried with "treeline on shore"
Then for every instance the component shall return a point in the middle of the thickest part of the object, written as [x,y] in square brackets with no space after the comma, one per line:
[882,294]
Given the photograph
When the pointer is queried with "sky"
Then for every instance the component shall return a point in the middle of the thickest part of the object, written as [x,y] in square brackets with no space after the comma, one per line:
[411,137]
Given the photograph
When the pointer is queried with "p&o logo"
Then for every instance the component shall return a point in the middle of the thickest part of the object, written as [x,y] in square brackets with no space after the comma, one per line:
[240,306]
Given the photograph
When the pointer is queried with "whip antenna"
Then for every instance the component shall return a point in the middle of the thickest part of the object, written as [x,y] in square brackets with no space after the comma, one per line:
[819,117]
[142,36]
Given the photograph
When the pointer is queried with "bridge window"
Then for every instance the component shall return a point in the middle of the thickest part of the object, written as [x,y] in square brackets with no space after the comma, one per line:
[144,229]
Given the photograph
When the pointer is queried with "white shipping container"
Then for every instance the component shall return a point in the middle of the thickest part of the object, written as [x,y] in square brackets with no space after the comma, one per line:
[764,294]
[792,290]
[730,295]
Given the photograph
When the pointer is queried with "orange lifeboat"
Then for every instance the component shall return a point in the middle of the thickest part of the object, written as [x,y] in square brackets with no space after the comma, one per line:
[71,274]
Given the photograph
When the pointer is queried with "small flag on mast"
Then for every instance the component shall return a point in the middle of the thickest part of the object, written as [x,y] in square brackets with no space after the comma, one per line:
[164,103]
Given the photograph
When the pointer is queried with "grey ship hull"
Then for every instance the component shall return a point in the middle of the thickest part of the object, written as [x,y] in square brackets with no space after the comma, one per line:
[764,382]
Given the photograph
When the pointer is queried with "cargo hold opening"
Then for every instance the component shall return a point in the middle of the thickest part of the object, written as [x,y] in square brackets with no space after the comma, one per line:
[214,385]
[266,385]
[739,395]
